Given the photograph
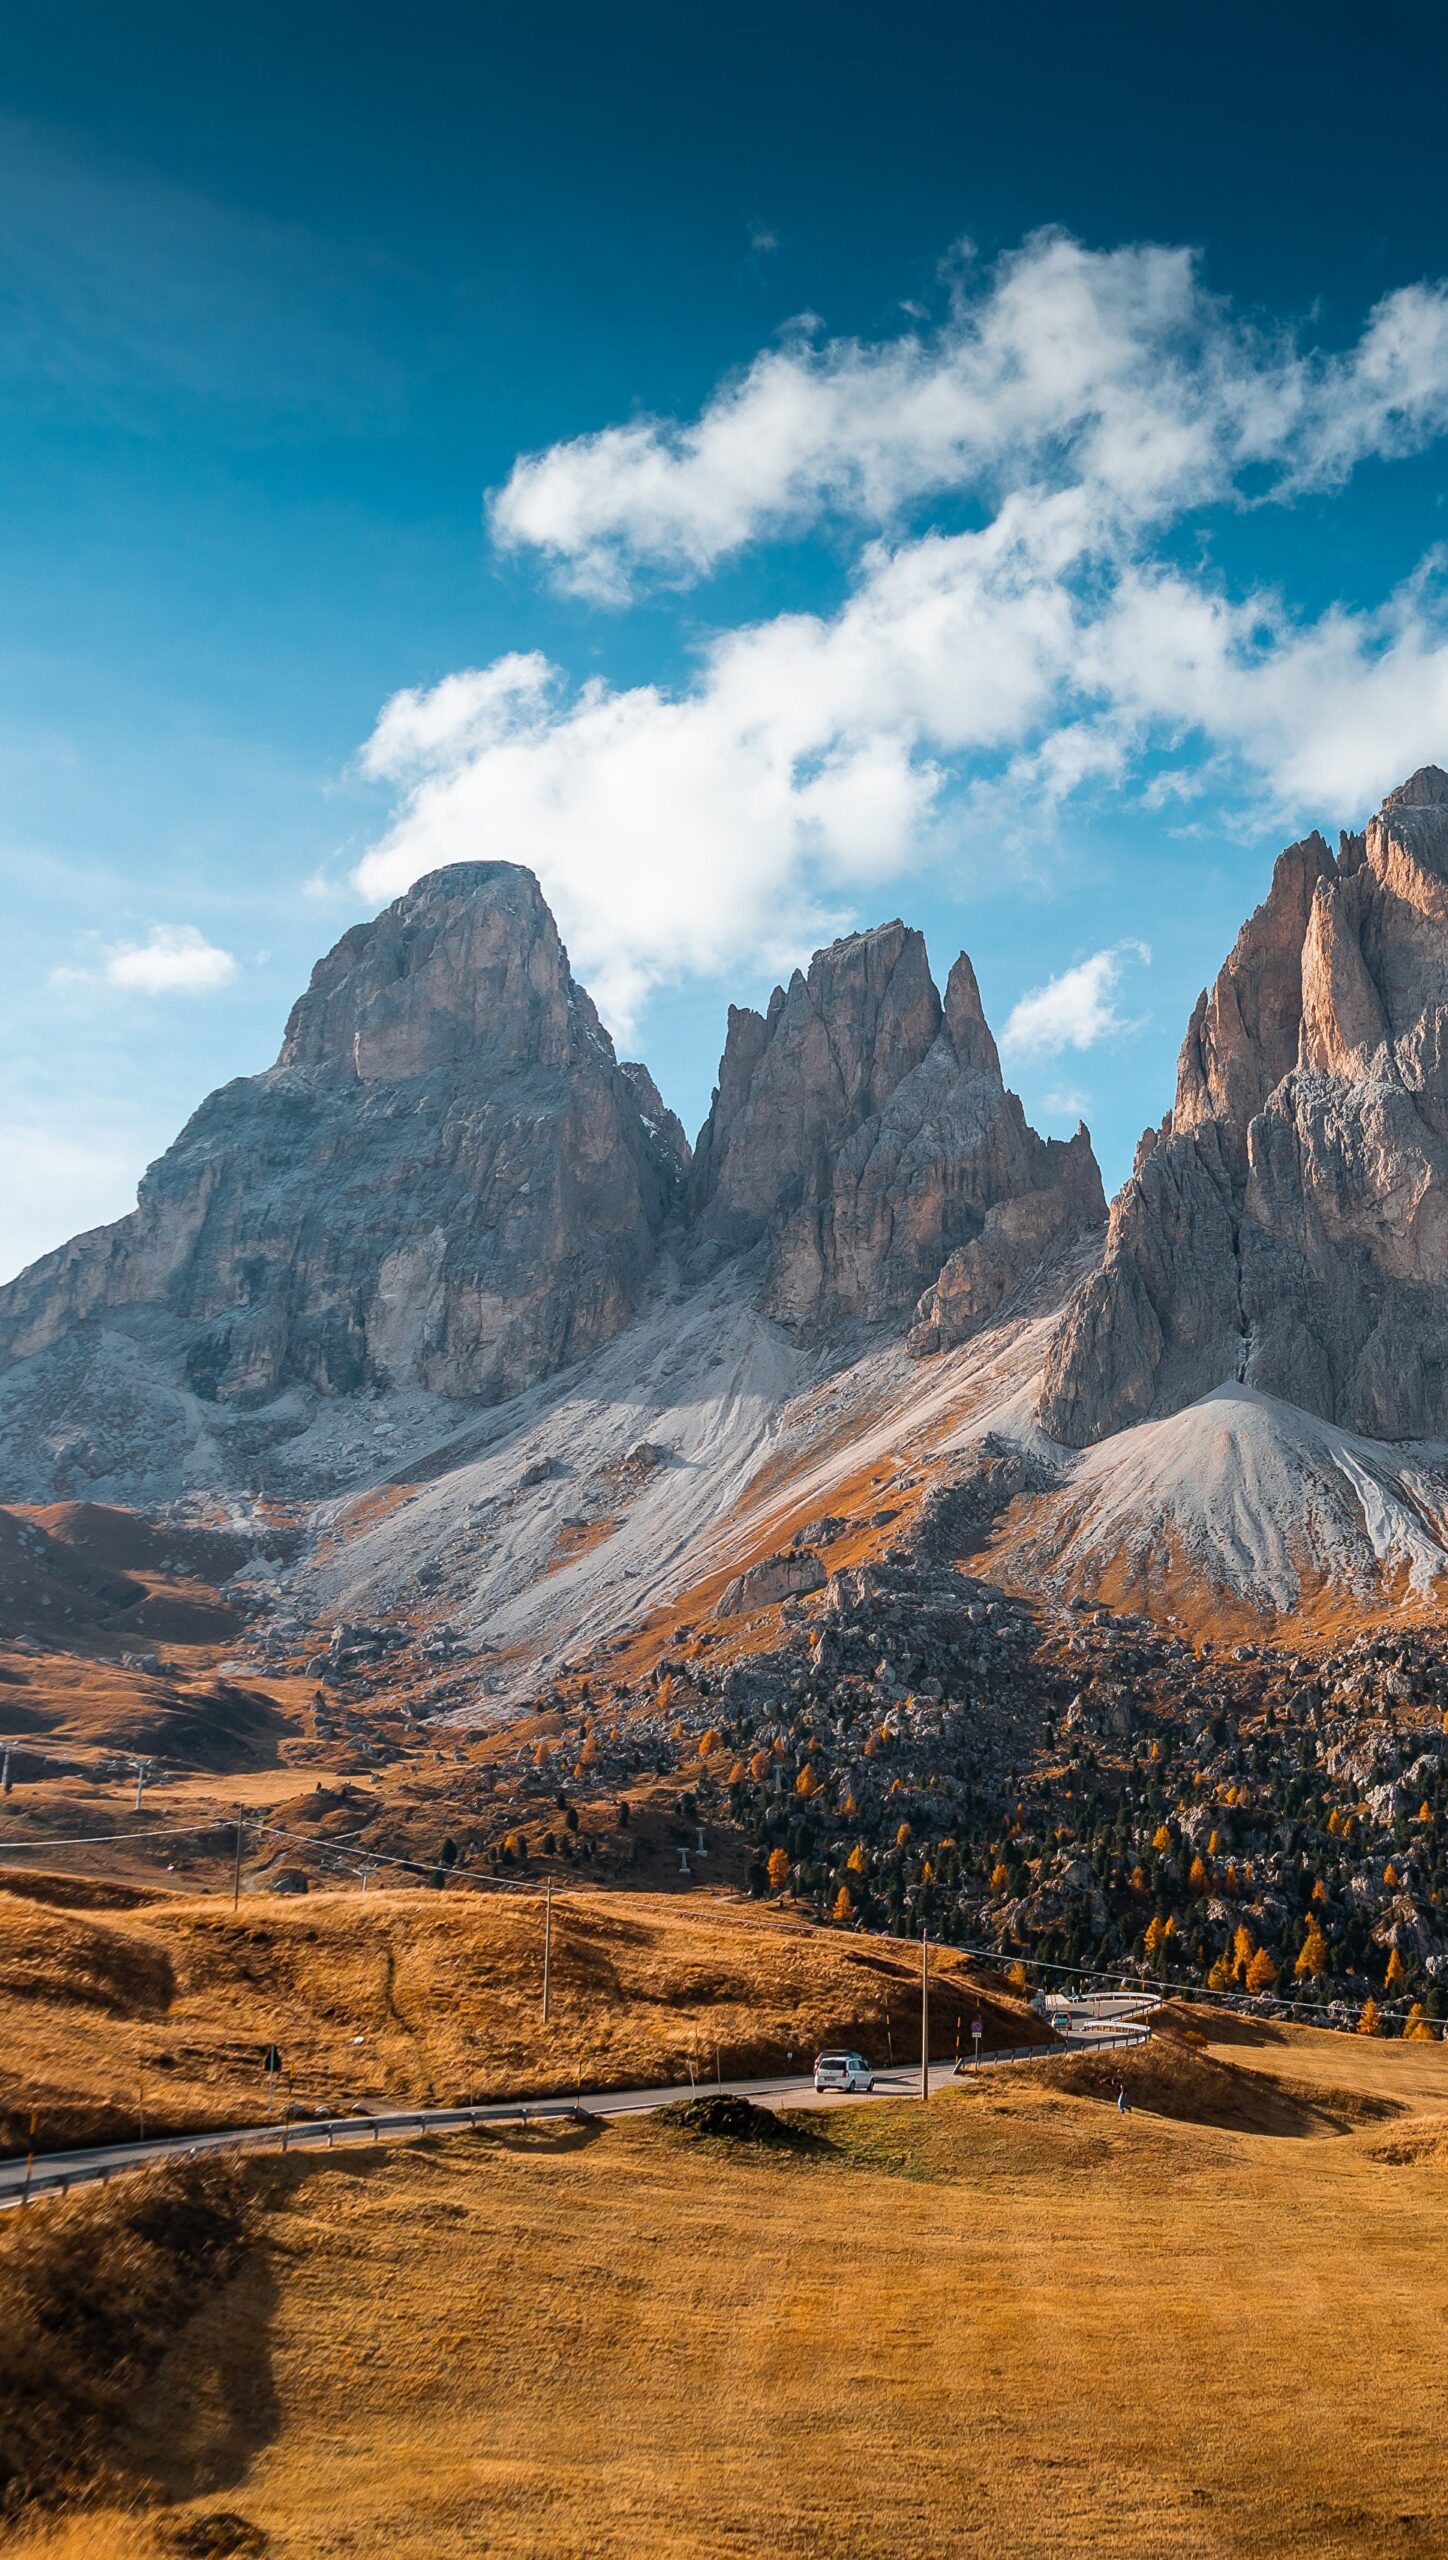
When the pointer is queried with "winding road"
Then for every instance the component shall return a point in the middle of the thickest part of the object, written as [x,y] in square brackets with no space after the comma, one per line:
[1089,2027]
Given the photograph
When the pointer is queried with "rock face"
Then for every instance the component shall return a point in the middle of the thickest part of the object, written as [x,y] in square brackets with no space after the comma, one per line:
[1287,1227]
[862,1140]
[446,1180]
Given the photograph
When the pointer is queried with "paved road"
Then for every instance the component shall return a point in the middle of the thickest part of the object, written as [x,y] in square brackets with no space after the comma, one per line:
[58,2171]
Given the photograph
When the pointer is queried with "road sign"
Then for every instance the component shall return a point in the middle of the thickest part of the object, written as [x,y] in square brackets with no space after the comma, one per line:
[272,2061]
[976,2028]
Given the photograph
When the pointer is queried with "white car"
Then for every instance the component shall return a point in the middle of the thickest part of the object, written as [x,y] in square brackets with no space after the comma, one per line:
[848,2072]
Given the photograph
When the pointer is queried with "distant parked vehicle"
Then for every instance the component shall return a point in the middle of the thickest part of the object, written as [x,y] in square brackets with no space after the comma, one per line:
[849,2072]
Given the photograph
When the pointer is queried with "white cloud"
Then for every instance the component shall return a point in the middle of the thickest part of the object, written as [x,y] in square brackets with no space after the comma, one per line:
[971,682]
[1075,1010]
[1114,370]
[174,959]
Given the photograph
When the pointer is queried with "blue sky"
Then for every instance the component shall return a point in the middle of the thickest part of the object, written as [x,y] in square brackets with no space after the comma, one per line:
[771,471]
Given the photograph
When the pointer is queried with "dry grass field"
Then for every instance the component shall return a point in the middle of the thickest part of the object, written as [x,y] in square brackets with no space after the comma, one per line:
[158,2008]
[1017,2324]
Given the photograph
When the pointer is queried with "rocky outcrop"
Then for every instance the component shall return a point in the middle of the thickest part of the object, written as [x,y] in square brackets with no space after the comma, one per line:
[786,1577]
[861,1136]
[1288,1225]
[446,1180]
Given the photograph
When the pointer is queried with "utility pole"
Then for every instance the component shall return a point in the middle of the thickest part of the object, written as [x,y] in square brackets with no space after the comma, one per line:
[547,1944]
[236,1868]
[6,1781]
[925,2014]
[141,1768]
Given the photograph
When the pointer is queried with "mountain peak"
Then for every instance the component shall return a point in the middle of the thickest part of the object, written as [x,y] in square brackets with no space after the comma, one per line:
[1425,789]
[468,955]
[861,1137]
[1287,1230]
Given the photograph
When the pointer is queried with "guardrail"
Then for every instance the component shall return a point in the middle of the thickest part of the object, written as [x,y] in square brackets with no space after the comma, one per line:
[1054,2052]
[305,2135]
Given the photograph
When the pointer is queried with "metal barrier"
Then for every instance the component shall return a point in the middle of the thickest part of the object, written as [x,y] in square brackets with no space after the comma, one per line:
[1054,2052]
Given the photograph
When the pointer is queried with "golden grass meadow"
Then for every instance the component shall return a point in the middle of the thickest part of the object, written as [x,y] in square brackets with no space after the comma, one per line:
[1014,2322]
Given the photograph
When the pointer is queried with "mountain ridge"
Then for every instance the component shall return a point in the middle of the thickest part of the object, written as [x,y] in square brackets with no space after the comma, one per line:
[449,1185]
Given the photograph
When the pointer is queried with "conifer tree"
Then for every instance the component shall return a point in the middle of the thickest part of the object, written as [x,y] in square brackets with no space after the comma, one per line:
[1397,1972]
[1261,1973]
[844,1908]
[778,1870]
[1368,2021]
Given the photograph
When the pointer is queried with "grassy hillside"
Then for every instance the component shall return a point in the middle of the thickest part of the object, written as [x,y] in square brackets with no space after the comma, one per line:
[1016,2323]
[162,2010]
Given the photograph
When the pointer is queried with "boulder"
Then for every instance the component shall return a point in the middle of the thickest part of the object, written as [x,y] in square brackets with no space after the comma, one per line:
[785,1577]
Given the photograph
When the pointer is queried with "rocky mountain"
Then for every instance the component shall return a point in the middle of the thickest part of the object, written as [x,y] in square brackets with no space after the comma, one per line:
[862,1139]
[449,1187]
[446,1180]
[1287,1227]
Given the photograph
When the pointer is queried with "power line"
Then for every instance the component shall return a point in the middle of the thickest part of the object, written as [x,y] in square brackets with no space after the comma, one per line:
[355,1848]
[98,1839]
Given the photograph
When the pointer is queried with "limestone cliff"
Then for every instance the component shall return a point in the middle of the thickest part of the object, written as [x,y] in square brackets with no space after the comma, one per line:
[1288,1225]
[446,1180]
[863,1140]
